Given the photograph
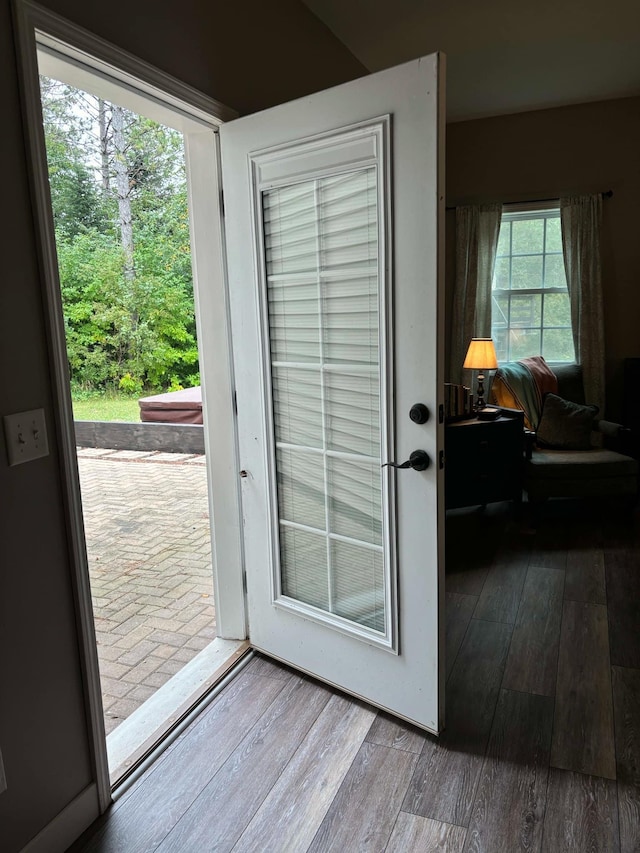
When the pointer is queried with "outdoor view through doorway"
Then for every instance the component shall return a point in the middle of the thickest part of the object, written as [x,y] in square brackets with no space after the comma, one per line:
[119,196]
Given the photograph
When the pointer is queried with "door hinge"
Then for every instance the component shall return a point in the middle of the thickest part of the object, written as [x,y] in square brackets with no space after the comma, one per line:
[441,459]
[244,582]
[235,403]
[222,202]
[441,413]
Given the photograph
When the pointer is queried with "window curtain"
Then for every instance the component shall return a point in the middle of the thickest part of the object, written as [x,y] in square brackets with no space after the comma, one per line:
[581,218]
[477,231]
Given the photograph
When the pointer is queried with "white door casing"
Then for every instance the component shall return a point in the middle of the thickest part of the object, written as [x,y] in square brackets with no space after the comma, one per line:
[385,130]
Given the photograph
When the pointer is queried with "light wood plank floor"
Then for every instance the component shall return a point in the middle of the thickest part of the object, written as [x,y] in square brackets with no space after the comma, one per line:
[541,750]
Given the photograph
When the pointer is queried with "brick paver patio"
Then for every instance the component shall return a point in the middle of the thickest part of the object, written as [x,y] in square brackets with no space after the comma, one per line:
[147,529]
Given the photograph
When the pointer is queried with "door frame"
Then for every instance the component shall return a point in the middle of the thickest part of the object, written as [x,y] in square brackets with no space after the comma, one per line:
[202,116]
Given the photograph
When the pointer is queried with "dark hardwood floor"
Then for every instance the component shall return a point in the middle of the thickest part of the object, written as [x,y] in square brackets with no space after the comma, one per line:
[541,750]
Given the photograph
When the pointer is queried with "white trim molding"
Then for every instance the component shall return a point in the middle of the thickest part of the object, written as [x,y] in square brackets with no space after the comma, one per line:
[68,825]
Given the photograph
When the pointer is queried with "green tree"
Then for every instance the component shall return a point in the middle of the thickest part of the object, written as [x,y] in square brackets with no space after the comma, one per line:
[120,211]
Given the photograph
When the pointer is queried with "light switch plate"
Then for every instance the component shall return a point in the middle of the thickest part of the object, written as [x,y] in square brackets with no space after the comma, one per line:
[26,435]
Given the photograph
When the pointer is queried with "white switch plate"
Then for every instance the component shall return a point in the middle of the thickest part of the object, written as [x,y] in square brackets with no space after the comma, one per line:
[26,435]
[3,778]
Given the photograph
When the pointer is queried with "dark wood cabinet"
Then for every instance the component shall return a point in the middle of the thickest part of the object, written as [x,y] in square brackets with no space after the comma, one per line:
[483,461]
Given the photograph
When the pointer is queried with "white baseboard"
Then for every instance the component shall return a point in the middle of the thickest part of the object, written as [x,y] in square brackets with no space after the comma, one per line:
[68,825]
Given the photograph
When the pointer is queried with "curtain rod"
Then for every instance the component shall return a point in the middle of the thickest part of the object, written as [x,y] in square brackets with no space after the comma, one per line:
[604,194]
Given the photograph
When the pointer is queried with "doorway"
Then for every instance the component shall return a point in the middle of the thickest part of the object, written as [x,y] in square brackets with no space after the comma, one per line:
[121,78]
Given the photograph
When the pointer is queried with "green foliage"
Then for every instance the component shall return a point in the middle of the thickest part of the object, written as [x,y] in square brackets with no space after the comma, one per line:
[108,343]
[131,331]
[130,385]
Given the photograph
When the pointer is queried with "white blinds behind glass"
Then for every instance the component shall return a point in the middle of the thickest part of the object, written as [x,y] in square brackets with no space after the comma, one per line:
[321,245]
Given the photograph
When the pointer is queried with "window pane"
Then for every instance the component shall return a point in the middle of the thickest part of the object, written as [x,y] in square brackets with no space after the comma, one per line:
[523,343]
[554,275]
[501,273]
[527,236]
[293,320]
[297,411]
[526,272]
[500,311]
[348,221]
[352,412]
[290,229]
[358,584]
[504,238]
[526,310]
[303,559]
[554,235]
[558,345]
[355,500]
[557,310]
[350,320]
[501,342]
[531,260]
[301,487]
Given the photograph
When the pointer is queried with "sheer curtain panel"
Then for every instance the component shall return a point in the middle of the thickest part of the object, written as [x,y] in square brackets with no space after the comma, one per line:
[477,231]
[581,218]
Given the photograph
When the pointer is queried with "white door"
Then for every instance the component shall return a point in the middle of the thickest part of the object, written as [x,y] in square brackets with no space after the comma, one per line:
[334,217]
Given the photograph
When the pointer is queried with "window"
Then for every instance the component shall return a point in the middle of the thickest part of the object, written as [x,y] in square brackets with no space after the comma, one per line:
[530,311]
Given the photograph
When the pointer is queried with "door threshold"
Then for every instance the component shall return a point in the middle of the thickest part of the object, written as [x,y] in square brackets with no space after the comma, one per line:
[149,724]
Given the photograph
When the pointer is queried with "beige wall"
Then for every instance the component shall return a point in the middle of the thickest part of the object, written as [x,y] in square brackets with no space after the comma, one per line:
[248,55]
[579,149]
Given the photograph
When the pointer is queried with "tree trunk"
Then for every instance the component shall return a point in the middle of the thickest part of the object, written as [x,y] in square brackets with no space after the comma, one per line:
[104,146]
[122,189]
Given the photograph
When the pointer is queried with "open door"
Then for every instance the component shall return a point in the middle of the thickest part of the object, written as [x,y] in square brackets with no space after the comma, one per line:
[334,212]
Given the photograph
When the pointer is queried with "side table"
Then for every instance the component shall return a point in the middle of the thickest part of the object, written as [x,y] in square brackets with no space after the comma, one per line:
[483,461]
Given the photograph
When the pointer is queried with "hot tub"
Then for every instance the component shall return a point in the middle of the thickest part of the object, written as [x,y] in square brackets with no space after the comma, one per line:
[174,407]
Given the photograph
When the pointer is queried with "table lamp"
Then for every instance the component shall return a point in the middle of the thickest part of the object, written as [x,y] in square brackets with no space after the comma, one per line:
[481,356]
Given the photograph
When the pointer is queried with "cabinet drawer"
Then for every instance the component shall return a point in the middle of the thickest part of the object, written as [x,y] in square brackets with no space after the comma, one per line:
[483,461]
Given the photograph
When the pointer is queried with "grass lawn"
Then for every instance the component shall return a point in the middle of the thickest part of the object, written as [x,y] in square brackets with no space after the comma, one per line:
[107,407]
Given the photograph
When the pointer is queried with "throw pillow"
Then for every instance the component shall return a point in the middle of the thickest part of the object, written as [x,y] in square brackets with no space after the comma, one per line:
[565,425]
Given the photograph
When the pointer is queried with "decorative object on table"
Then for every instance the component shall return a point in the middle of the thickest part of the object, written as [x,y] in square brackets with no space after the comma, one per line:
[489,413]
[458,401]
[481,356]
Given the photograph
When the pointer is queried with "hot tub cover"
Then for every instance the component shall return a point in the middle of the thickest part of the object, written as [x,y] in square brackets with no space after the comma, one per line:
[174,407]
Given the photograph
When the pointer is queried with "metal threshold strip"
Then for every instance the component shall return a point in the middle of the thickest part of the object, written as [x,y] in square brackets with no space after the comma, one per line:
[129,771]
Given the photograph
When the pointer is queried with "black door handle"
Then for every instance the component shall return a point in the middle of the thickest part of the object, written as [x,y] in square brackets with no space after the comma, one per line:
[418,460]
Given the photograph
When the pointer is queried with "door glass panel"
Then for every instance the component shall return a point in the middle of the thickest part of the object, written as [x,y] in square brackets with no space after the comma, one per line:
[358,582]
[301,487]
[303,558]
[298,418]
[323,295]
[352,412]
[295,336]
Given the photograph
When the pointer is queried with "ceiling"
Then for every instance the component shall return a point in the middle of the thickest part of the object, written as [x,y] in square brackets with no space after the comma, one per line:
[503,56]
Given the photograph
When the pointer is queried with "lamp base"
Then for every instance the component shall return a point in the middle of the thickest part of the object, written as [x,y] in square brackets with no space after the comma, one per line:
[480,401]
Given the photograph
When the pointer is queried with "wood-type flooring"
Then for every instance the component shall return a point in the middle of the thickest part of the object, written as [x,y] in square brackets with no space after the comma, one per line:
[542,746]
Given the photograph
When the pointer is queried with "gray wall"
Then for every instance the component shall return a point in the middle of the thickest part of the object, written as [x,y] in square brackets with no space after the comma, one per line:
[578,149]
[249,55]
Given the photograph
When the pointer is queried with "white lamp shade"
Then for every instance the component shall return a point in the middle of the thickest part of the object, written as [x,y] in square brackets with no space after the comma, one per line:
[481,355]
